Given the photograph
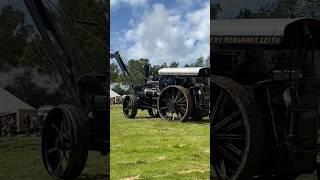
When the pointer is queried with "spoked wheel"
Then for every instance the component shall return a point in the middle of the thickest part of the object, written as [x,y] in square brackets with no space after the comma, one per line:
[130,106]
[175,103]
[236,130]
[153,112]
[65,142]
[318,156]
[318,171]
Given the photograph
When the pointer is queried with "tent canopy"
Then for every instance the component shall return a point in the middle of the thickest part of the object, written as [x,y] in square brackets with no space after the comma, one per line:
[114,94]
[10,103]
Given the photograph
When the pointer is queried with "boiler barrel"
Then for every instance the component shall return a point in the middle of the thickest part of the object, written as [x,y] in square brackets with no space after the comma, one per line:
[150,93]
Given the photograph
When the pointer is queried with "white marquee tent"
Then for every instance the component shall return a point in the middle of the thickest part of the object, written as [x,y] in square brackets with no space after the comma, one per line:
[113,94]
[115,98]
[10,103]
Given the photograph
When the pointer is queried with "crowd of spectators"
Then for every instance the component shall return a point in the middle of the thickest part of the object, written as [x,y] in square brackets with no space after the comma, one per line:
[8,126]
[30,125]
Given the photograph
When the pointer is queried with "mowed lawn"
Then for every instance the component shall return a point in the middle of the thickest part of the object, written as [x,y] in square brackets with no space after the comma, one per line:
[149,148]
[20,159]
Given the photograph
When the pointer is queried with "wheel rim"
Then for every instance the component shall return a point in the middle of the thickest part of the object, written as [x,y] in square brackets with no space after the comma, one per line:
[173,104]
[128,106]
[155,112]
[57,144]
[230,134]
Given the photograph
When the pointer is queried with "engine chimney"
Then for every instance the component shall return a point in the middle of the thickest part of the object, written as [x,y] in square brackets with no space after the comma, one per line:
[146,72]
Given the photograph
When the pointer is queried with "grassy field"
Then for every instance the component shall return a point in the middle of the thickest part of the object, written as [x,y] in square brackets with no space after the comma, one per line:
[20,160]
[146,148]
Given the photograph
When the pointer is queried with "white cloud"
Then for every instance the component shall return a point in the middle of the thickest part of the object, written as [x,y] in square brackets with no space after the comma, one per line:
[186,4]
[115,3]
[164,35]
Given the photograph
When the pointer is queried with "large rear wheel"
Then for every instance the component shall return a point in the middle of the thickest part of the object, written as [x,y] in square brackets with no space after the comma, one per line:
[175,103]
[65,142]
[236,131]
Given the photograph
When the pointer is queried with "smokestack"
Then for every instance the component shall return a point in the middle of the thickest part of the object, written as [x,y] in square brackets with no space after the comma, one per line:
[146,72]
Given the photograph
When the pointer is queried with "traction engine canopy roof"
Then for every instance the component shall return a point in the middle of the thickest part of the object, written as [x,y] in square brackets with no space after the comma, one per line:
[186,71]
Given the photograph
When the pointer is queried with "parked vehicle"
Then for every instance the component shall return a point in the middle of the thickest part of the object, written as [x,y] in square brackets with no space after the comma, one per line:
[178,94]
[265,94]
[80,123]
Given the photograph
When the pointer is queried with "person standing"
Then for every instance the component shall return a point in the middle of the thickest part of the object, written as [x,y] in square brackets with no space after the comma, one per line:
[14,127]
[41,120]
[1,126]
[27,123]
[34,125]
[5,128]
[10,127]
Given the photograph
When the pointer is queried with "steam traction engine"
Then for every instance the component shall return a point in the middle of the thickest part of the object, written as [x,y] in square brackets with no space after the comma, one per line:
[265,98]
[80,124]
[178,94]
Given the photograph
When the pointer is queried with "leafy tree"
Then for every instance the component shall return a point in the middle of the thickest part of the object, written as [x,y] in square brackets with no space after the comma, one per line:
[312,8]
[290,9]
[121,78]
[155,68]
[215,9]
[136,68]
[29,92]
[245,13]
[207,62]
[34,55]
[117,88]
[200,62]
[174,64]
[20,53]
[89,41]
[13,35]
[281,8]
[114,72]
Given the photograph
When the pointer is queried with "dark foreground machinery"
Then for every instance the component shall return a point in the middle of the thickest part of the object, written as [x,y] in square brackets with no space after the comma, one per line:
[80,123]
[178,94]
[265,98]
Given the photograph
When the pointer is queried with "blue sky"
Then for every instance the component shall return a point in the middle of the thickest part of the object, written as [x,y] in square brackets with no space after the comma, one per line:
[161,30]
[164,30]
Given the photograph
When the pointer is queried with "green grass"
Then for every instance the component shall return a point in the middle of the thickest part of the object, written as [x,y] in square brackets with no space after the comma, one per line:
[146,148]
[20,159]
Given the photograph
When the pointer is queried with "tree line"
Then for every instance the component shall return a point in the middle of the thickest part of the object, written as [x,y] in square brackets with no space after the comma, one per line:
[136,68]
[27,71]
[275,9]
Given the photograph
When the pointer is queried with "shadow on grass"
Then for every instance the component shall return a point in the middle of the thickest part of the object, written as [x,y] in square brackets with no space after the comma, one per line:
[192,121]
[146,117]
[86,176]
[198,121]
